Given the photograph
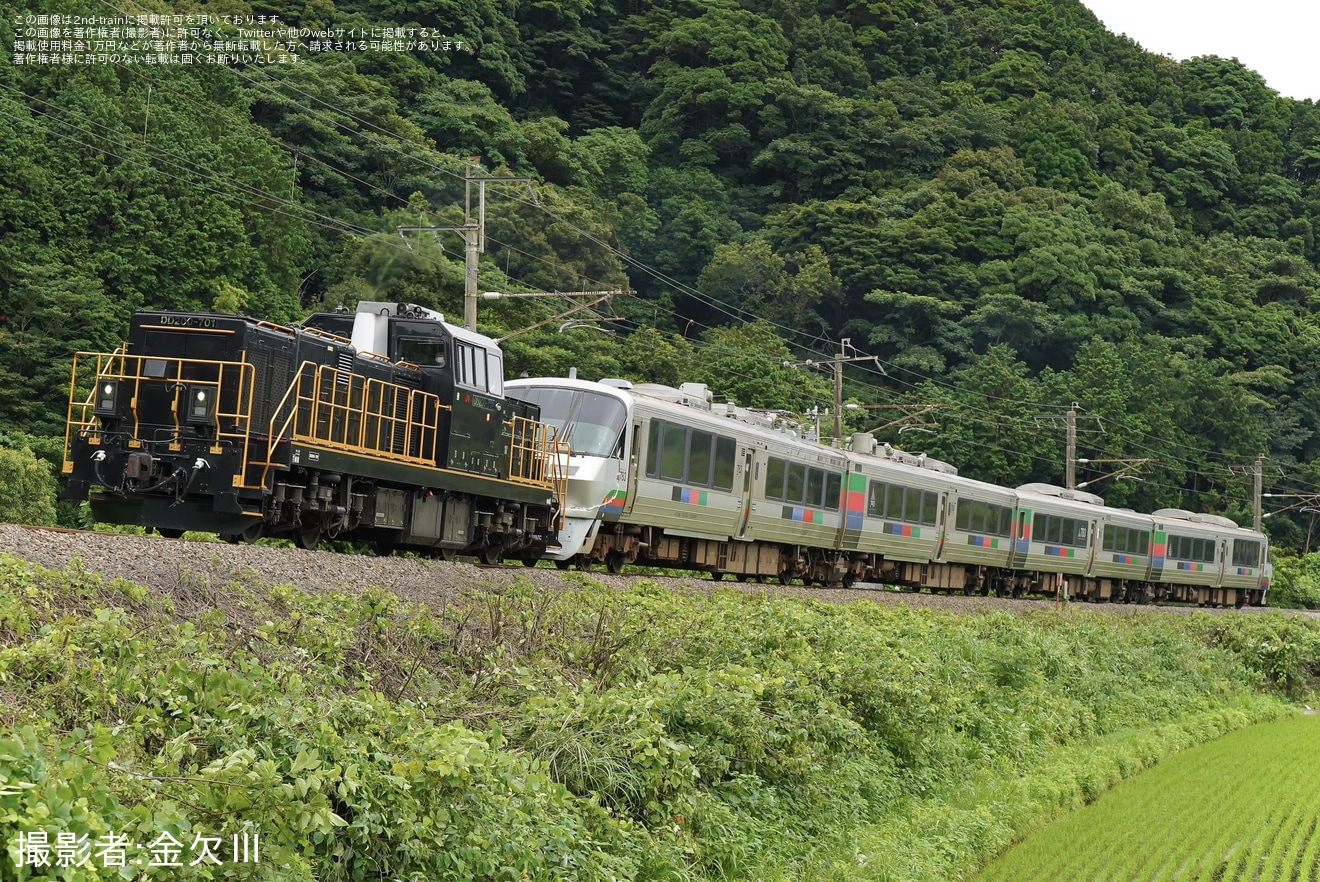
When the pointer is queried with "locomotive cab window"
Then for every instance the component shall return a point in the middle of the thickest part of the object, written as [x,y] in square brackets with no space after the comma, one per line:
[422,351]
[478,369]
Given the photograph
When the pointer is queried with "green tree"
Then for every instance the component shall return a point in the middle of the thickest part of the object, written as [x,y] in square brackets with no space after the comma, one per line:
[27,490]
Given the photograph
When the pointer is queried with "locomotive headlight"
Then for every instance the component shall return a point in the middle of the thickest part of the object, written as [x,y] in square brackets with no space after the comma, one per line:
[201,405]
[107,396]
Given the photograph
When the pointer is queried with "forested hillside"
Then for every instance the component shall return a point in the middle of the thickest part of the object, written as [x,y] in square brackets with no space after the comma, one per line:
[1013,209]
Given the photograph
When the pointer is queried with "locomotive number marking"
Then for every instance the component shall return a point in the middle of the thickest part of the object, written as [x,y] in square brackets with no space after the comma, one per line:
[187,321]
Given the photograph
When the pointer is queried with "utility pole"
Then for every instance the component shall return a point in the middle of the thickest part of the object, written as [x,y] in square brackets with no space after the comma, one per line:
[1070,444]
[837,362]
[838,394]
[473,233]
[1256,496]
[1070,466]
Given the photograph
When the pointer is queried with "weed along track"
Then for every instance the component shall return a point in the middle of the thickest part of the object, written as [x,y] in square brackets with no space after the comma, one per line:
[166,564]
[1244,807]
[402,718]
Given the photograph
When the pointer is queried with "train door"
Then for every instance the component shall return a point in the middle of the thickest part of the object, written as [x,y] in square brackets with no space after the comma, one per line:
[634,467]
[748,461]
[946,503]
[1093,544]
[1223,559]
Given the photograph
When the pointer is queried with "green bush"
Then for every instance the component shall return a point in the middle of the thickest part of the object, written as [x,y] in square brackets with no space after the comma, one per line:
[1296,582]
[595,734]
[27,489]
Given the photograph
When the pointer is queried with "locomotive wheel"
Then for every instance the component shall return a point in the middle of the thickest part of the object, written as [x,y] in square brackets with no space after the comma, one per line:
[248,535]
[530,560]
[563,564]
[170,533]
[785,577]
[614,561]
[491,554]
[307,537]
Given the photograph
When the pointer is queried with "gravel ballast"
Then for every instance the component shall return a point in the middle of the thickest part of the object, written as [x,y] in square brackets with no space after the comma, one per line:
[168,564]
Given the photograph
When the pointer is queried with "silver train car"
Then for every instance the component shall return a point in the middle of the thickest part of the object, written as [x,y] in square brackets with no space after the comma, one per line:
[663,477]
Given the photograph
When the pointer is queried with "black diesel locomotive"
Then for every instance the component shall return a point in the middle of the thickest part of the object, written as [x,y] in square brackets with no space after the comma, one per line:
[389,426]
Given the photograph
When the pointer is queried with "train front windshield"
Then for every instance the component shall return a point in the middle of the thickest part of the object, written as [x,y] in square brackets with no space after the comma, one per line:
[591,423]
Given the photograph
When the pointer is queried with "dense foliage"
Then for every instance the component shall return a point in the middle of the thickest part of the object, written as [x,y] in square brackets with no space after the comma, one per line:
[589,733]
[1013,208]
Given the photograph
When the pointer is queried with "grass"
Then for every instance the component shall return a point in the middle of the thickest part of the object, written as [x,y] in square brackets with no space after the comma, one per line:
[1239,808]
[589,734]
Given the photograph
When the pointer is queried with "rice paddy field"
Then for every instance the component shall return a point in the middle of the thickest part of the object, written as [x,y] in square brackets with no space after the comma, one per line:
[1244,807]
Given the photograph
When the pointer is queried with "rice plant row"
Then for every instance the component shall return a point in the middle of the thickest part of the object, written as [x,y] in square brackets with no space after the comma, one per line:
[1245,807]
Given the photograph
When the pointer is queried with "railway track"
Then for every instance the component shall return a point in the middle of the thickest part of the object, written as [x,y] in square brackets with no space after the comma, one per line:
[169,564]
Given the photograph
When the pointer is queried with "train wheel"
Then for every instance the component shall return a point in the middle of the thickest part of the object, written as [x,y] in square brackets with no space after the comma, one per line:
[741,577]
[563,564]
[530,560]
[785,577]
[585,564]
[614,561]
[760,579]
[250,534]
[170,533]
[849,579]
[716,576]
[307,537]
[490,555]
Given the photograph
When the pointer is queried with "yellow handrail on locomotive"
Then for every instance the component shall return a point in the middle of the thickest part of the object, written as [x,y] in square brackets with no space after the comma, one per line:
[537,462]
[344,418]
[128,372]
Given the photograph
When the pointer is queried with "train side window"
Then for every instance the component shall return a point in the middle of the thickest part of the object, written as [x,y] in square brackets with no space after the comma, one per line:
[894,503]
[1005,521]
[1142,543]
[699,464]
[1053,529]
[673,452]
[875,504]
[833,490]
[912,505]
[983,518]
[930,507]
[797,483]
[726,451]
[815,488]
[963,515]
[1246,553]
[1079,533]
[775,471]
